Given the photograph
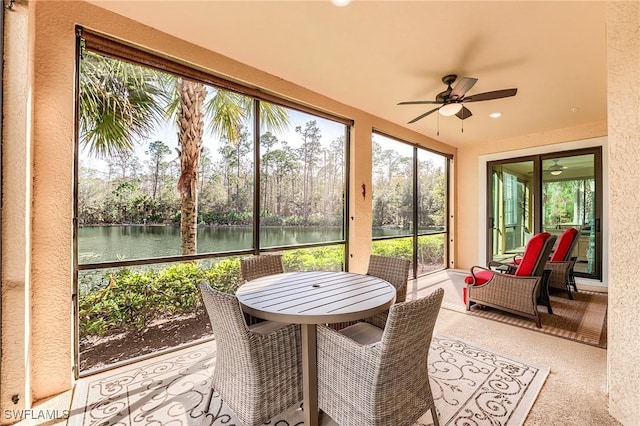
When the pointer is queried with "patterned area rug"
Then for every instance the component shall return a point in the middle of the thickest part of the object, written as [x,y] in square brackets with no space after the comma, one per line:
[471,386]
[583,319]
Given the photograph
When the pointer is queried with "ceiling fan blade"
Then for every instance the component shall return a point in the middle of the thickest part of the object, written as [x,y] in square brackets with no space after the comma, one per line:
[487,96]
[418,102]
[423,115]
[464,113]
[462,86]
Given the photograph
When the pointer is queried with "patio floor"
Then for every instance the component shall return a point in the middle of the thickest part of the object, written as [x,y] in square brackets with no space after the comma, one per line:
[577,379]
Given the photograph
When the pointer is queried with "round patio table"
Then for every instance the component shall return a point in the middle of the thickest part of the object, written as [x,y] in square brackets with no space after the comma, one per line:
[310,298]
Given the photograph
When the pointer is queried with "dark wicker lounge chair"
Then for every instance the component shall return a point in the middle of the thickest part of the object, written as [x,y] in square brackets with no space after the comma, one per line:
[519,291]
[561,263]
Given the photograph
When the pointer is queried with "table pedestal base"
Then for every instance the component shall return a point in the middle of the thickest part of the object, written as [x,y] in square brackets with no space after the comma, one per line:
[309,375]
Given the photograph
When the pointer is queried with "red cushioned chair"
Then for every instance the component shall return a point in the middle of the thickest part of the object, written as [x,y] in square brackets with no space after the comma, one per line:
[561,263]
[518,291]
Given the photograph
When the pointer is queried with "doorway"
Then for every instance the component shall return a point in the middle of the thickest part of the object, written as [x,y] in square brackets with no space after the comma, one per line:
[549,192]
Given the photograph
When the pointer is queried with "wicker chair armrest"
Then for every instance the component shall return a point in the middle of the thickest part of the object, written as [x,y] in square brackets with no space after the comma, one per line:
[345,363]
[286,331]
[495,264]
[510,291]
[559,273]
[346,369]
[501,266]
[474,269]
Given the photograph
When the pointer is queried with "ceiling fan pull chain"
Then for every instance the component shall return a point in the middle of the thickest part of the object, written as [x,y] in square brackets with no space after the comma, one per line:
[438,130]
[461,126]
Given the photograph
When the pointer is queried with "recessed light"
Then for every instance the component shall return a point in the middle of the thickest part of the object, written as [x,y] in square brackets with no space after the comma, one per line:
[341,2]
[495,115]
[575,109]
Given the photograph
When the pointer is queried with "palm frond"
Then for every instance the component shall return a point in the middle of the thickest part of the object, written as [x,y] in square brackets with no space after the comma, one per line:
[119,103]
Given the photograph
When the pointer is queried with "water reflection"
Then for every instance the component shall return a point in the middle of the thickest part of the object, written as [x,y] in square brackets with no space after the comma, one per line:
[127,242]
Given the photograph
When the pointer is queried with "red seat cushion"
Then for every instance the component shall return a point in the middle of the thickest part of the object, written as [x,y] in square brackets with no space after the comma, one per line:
[565,242]
[481,278]
[531,253]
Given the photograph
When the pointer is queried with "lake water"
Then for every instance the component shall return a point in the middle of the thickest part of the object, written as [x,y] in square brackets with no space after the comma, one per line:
[114,243]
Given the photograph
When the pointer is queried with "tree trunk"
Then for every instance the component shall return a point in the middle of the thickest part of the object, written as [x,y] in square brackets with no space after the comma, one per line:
[190,127]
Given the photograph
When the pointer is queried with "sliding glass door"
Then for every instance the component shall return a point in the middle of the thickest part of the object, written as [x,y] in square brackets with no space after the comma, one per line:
[550,192]
[571,193]
[511,215]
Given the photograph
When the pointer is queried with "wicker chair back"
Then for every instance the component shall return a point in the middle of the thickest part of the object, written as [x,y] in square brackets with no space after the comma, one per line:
[260,266]
[384,383]
[257,374]
[394,270]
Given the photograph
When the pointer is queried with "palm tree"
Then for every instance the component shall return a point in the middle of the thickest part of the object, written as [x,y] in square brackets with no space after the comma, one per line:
[228,111]
[120,102]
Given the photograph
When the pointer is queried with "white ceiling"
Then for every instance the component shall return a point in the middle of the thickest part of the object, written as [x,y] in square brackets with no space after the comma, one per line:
[373,54]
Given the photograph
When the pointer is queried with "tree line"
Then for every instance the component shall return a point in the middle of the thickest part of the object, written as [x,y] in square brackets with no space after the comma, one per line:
[300,186]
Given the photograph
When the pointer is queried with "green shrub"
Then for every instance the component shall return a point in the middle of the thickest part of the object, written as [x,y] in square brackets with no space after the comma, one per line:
[330,258]
[430,248]
[132,299]
[396,247]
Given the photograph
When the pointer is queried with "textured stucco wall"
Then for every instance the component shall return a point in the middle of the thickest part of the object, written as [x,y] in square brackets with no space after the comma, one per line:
[48,259]
[16,154]
[623,57]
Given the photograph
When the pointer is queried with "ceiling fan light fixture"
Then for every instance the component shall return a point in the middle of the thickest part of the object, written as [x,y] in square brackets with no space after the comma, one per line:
[450,109]
[556,168]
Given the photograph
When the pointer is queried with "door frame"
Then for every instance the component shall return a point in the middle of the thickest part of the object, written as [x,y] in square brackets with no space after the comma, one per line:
[535,209]
[484,189]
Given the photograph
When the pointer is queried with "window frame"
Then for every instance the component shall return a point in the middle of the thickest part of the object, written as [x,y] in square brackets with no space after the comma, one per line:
[415,233]
[104,45]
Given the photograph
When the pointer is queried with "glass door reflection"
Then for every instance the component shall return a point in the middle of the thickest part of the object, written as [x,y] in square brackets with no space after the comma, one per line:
[511,215]
[569,200]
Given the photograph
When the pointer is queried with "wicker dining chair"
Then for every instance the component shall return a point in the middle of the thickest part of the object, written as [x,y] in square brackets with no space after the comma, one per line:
[369,376]
[258,371]
[394,270]
[253,267]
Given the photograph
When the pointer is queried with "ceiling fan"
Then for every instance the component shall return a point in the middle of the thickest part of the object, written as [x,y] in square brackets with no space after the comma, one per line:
[556,169]
[453,98]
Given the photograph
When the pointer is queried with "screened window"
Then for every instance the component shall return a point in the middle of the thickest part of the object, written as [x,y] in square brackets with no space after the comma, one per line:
[409,203]
[180,174]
